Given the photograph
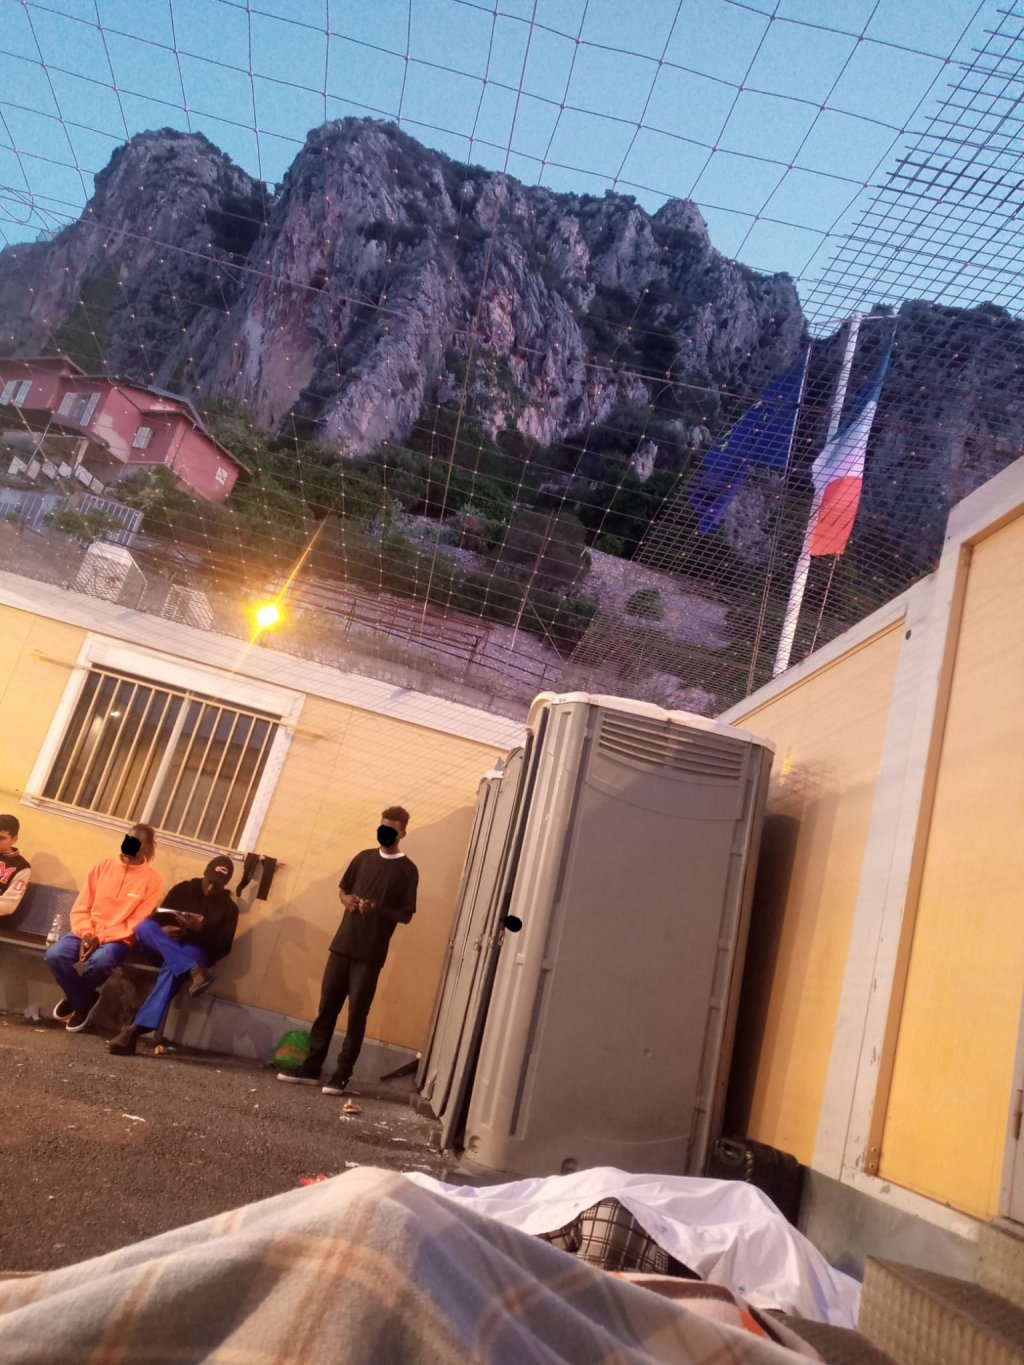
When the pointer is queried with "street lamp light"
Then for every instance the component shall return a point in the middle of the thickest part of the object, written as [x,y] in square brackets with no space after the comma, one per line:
[267,616]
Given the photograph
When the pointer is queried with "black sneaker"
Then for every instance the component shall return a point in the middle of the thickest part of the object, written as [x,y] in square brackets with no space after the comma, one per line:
[335,1086]
[298,1078]
[123,1045]
[78,1019]
[63,1010]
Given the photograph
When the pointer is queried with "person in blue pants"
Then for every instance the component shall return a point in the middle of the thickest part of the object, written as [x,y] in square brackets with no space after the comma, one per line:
[118,895]
[194,928]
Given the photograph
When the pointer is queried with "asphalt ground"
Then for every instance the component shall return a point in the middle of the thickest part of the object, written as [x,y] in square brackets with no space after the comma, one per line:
[97,1152]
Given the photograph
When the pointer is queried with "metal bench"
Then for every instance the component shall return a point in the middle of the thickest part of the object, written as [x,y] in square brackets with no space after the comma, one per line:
[28,927]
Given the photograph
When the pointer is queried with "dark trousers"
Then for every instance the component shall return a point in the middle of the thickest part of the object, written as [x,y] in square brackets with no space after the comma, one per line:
[81,989]
[344,979]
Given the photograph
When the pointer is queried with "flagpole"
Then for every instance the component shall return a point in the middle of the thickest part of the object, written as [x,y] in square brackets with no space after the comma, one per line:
[775,539]
[796,595]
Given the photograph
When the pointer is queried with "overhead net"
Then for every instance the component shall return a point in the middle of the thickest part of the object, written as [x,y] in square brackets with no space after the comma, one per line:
[477,466]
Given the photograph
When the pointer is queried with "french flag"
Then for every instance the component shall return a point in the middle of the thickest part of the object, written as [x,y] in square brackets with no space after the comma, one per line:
[838,472]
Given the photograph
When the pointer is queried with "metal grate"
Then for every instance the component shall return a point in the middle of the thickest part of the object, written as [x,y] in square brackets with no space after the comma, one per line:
[130,519]
[179,761]
[658,745]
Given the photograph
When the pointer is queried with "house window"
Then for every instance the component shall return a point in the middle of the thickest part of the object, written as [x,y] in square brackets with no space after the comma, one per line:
[142,438]
[79,407]
[221,475]
[175,759]
[15,391]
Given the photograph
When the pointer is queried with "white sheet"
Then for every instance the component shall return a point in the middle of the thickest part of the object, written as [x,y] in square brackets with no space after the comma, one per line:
[728,1232]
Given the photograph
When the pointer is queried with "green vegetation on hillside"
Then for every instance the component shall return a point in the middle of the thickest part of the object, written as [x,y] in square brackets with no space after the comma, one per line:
[83,338]
[359,517]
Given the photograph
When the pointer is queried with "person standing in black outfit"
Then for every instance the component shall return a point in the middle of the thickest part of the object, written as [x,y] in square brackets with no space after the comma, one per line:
[378,891]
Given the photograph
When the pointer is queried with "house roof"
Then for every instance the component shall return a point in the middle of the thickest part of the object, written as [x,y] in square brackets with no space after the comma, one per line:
[48,362]
[165,394]
[62,361]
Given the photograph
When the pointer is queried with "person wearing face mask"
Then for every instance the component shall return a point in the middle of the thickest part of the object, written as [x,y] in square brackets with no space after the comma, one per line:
[118,895]
[378,891]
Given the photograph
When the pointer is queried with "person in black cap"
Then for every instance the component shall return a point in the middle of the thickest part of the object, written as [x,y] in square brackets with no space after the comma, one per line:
[194,928]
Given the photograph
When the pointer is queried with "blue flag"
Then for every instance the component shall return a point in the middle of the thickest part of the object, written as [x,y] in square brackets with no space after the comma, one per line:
[762,436]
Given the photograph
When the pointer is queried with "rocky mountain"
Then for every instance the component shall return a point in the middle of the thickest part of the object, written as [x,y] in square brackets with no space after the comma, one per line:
[380,278]
[352,296]
[155,247]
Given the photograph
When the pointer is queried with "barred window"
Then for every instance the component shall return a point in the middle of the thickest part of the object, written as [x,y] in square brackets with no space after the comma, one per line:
[179,761]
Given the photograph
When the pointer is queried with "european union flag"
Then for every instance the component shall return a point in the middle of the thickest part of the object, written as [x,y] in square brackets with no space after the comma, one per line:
[762,436]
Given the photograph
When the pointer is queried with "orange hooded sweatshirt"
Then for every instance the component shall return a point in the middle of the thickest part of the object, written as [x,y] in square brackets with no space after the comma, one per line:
[116,897]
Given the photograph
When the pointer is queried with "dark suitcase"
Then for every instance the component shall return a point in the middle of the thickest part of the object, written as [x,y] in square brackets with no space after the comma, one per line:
[778,1174]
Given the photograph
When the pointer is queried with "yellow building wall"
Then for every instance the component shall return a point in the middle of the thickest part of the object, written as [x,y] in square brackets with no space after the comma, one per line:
[945,1125]
[343,767]
[828,731]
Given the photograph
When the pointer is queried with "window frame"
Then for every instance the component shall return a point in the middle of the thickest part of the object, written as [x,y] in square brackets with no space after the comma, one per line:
[159,670]
[14,392]
[91,399]
[142,444]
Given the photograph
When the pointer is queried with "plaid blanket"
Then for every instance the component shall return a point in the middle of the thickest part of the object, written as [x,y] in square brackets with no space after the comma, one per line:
[368,1267]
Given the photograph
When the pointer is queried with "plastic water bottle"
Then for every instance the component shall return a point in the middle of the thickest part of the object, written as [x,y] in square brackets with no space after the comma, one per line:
[55,929]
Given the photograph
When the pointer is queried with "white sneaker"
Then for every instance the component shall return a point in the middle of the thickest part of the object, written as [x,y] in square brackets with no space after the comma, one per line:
[296,1078]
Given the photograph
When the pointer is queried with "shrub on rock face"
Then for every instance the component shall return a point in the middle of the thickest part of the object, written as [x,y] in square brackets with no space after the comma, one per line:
[610,545]
[548,548]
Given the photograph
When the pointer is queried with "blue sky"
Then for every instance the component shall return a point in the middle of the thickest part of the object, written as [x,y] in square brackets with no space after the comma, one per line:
[772,114]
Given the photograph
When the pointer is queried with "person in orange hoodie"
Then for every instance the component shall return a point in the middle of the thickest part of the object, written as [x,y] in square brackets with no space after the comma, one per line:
[119,893]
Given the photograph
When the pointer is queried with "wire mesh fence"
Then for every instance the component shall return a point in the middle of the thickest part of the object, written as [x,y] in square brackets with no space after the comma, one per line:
[536,355]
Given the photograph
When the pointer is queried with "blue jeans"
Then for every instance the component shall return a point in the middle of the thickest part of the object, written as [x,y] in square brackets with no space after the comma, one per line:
[82,989]
[176,961]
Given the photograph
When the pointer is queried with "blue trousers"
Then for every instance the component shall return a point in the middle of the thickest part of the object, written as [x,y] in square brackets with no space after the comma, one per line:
[176,961]
[82,988]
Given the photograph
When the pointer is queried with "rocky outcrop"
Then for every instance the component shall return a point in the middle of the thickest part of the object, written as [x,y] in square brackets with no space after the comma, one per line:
[160,242]
[381,276]
[951,415]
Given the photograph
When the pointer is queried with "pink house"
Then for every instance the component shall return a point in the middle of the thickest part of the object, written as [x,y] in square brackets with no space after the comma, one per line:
[59,422]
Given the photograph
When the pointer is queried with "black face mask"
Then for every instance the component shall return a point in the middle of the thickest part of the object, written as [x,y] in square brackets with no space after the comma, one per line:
[386,836]
[130,846]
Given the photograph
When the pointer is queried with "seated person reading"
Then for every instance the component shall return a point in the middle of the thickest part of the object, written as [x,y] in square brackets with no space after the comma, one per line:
[193,928]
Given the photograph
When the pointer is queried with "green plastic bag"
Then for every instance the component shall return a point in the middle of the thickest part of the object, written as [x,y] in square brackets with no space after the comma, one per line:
[292,1050]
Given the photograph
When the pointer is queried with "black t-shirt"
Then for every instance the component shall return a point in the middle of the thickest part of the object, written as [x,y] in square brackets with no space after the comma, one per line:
[391,884]
[219,912]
